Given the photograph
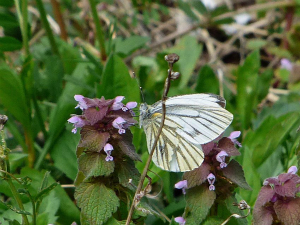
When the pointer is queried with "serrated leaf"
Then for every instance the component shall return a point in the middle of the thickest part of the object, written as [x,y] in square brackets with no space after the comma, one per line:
[128,171]
[235,173]
[94,164]
[92,140]
[97,202]
[197,176]
[45,191]
[199,200]
[287,211]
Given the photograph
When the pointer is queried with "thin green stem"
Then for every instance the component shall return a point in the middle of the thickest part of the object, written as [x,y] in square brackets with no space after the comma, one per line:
[23,17]
[45,22]
[99,32]
[33,209]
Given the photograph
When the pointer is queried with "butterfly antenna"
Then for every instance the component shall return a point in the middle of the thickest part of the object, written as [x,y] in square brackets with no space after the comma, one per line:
[141,89]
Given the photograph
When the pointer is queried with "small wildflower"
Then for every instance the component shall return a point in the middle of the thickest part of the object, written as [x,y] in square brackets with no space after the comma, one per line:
[293,170]
[119,123]
[77,122]
[210,4]
[129,105]
[286,64]
[118,103]
[108,148]
[220,157]
[233,135]
[81,103]
[211,180]
[181,185]
[180,220]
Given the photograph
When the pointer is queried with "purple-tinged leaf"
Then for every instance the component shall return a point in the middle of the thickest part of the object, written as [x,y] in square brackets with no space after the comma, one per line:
[97,202]
[92,140]
[228,146]
[199,200]
[94,164]
[94,115]
[197,176]
[288,211]
[235,173]
[262,216]
[124,141]
[265,195]
[288,189]
[208,147]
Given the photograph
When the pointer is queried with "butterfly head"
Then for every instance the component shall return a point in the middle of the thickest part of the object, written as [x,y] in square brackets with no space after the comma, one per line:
[143,112]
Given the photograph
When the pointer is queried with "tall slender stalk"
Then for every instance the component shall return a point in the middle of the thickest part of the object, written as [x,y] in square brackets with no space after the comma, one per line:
[45,22]
[144,173]
[99,32]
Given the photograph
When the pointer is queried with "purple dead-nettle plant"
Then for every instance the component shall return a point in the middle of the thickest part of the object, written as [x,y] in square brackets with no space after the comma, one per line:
[216,178]
[105,156]
[278,201]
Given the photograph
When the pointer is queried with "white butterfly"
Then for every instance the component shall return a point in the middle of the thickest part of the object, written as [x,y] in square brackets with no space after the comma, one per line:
[191,120]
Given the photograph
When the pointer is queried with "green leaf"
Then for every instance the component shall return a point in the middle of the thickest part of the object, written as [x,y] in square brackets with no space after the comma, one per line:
[128,171]
[66,207]
[199,200]
[254,44]
[235,173]
[189,51]
[45,191]
[6,3]
[116,81]
[247,77]
[8,21]
[207,81]
[64,155]
[94,164]
[186,7]
[12,96]
[213,221]
[97,202]
[8,44]
[264,83]
[127,46]
[271,133]
[234,209]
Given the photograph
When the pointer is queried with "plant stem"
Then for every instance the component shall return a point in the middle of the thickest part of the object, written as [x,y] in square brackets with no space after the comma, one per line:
[50,35]
[144,173]
[99,32]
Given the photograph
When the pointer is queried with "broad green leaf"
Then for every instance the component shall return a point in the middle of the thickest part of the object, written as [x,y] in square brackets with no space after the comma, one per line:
[12,96]
[116,81]
[251,175]
[271,133]
[8,44]
[64,153]
[264,83]
[97,202]
[127,46]
[187,9]
[6,3]
[199,200]
[207,81]
[8,21]
[94,164]
[213,221]
[189,51]
[247,77]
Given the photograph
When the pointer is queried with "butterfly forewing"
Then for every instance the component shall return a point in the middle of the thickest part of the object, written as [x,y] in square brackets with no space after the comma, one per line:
[191,120]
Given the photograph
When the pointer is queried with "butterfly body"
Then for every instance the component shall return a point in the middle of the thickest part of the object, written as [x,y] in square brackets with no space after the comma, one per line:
[190,121]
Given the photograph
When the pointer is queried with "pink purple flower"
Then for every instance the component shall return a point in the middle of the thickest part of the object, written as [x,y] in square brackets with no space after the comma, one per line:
[293,170]
[119,123]
[108,148]
[77,122]
[129,106]
[118,103]
[286,64]
[233,136]
[211,180]
[220,157]
[180,220]
[181,185]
